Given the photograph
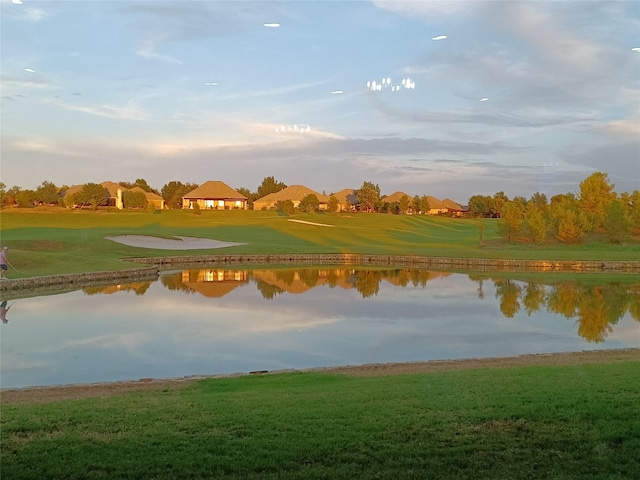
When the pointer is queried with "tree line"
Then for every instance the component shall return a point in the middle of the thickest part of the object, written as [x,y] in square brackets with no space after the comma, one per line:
[568,218]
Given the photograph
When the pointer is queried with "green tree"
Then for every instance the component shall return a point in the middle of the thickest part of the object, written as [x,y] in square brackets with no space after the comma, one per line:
[92,194]
[47,193]
[25,198]
[3,194]
[634,211]
[247,193]
[596,193]
[570,229]
[368,196]
[536,224]
[415,204]
[510,221]
[140,182]
[286,206]
[404,204]
[481,206]
[173,192]
[309,203]
[617,222]
[333,204]
[269,185]
[133,199]
[424,205]
[499,200]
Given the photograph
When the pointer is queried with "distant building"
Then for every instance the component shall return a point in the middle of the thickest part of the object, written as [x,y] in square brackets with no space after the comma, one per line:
[295,193]
[347,200]
[215,195]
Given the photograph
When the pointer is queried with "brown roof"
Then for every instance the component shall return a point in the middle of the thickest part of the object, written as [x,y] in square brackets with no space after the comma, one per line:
[215,189]
[112,188]
[434,203]
[395,197]
[149,195]
[451,205]
[294,192]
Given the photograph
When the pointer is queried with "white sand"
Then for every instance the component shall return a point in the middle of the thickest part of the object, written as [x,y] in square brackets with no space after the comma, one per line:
[174,243]
[311,223]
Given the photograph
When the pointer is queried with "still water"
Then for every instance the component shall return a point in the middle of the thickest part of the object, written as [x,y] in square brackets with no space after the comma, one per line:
[222,321]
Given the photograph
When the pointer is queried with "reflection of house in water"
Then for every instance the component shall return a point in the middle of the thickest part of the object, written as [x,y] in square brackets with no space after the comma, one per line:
[137,287]
[302,280]
[214,283]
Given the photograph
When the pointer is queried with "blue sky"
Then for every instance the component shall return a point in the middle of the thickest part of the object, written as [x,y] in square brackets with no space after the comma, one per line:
[117,90]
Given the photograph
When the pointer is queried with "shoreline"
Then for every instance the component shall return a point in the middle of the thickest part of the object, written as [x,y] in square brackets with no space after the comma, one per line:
[54,393]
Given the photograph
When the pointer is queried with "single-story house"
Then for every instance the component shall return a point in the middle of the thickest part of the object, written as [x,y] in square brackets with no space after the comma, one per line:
[215,195]
[295,193]
[347,200]
[436,206]
[454,208]
[395,198]
[153,198]
[114,192]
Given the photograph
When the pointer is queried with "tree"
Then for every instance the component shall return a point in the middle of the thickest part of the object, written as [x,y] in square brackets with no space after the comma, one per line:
[481,206]
[617,222]
[286,206]
[3,194]
[92,194]
[333,204]
[269,185]
[404,204]
[47,193]
[415,204]
[499,200]
[536,224]
[173,192]
[424,205]
[634,211]
[368,197]
[540,201]
[25,198]
[247,193]
[309,203]
[596,193]
[510,222]
[134,199]
[140,182]
[570,229]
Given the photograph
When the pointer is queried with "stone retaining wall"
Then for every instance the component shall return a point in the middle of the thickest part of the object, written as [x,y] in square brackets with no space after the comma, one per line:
[440,263]
[58,283]
[475,264]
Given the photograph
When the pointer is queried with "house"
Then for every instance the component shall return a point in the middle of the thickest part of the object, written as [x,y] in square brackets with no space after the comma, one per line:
[347,200]
[215,195]
[395,198]
[454,208]
[436,207]
[114,194]
[295,193]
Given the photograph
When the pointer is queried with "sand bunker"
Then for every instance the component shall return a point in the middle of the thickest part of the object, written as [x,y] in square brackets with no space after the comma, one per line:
[310,223]
[174,243]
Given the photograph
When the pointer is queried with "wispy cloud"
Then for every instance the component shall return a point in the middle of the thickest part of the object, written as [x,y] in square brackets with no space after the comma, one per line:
[127,112]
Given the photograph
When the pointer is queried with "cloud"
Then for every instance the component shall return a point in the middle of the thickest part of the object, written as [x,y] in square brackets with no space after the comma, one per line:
[35,14]
[128,112]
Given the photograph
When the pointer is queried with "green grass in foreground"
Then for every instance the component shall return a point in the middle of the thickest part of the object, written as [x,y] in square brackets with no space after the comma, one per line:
[569,422]
[51,241]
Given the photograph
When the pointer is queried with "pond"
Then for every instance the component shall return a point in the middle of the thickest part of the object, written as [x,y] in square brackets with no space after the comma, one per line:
[211,321]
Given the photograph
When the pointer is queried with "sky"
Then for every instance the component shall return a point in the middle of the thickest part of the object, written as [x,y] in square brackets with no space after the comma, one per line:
[520,97]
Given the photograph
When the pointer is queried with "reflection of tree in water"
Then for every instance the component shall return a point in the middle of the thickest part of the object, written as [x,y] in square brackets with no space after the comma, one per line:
[480,279]
[174,282]
[595,309]
[420,277]
[268,290]
[368,282]
[287,276]
[309,276]
[533,298]
[508,292]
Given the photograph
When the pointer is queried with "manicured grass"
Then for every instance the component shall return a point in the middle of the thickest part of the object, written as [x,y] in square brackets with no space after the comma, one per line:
[564,422]
[49,241]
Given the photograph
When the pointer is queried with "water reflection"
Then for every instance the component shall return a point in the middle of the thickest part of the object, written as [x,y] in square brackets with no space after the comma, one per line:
[226,320]
[594,308]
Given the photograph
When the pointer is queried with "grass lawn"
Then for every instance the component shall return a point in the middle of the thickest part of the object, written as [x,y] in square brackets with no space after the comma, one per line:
[46,241]
[561,422]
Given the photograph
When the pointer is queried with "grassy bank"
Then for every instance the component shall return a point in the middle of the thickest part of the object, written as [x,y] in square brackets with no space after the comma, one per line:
[526,422]
[50,241]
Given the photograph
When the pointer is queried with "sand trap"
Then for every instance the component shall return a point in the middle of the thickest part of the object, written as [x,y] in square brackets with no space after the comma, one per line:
[174,243]
[311,223]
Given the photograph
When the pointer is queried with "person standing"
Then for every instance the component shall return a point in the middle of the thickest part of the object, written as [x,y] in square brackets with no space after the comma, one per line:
[3,263]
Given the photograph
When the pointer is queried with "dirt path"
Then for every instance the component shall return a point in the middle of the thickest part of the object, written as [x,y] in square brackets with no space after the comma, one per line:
[68,392]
